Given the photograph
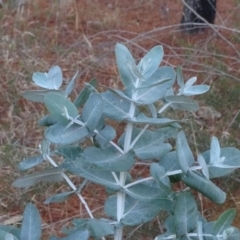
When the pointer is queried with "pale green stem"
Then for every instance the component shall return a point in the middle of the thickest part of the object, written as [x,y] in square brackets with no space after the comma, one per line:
[168,174]
[123,175]
[72,186]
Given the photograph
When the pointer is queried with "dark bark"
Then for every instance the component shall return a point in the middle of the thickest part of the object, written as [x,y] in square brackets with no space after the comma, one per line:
[205,8]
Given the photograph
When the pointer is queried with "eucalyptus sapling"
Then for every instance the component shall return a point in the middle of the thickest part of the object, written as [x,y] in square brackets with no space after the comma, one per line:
[108,160]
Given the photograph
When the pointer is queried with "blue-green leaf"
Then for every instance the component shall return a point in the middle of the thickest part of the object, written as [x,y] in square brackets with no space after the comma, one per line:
[180,79]
[70,85]
[77,235]
[184,153]
[142,118]
[170,162]
[108,159]
[98,228]
[60,134]
[182,103]
[4,235]
[185,214]
[195,90]
[159,174]
[50,80]
[146,191]
[47,121]
[231,233]
[215,151]
[151,145]
[69,152]
[104,136]
[84,94]
[49,175]
[31,224]
[150,62]
[57,105]
[224,221]
[135,212]
[10,229]
[124,59]
[92,111]
[197,181]
[164,76]
[230,163]
[104,178]
[190,82]
[115,107]
[39,95]
[204,166]
[30,162]
[60,197]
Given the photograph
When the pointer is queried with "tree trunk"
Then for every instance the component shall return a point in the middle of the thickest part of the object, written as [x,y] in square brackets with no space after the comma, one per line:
[191,22]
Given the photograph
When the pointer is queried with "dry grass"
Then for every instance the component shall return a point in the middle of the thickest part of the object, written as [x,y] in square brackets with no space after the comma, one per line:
[82,35]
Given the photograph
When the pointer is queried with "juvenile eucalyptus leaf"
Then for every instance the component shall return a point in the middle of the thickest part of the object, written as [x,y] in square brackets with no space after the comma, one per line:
[31,225]
[115,107]
[231,162]
[39,95]
[182,103]
[231,233]
[214,151]
[77,235]
[92,111]
[11,229]
[146,191]
[49,175]
[184,153]
[122,94]
[70,85]
[152,109]
[190,82]
[180,79]
[61,135]
[185,214]
[195,90]
[104,136]
[147,95]
[47,121]
[142,118]
[124,59]
[57,198]
[159,174]
[7,236]
[85,93]
[108,159]
[163,76]
[170,162]
[196,181]
[204,166]
[57,104]
[135,212]
[150,62]
[224,221]
[69,152]
[101,177]
[97,228]
[50,80]
[150,145]
[30,162]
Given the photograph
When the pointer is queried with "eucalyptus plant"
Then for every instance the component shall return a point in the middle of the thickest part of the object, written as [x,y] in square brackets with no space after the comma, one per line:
[77,131]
